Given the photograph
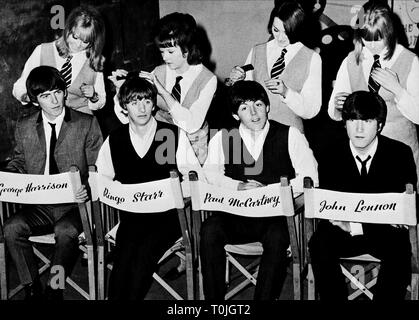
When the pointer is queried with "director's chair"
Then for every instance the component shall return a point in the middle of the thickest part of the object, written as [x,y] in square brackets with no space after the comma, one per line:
[106,218]
[291,206]
[9,206]
[406,216]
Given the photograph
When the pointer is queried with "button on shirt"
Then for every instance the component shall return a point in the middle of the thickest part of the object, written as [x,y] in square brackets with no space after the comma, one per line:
[47,129]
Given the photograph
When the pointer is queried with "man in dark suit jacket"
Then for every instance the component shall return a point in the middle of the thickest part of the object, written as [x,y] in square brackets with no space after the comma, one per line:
[366,163]
[73,138]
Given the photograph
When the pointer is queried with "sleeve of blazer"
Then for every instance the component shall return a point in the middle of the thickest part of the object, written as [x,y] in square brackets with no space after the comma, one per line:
[94,141]
[18,163]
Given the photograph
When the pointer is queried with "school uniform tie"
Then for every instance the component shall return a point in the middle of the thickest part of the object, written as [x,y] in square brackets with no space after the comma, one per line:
[66,71]
[364,172]
[279,65]
[373,86]
[176,89]
[53,168]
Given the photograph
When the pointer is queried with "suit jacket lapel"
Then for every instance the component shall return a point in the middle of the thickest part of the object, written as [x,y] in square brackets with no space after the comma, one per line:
[64,127]
[41,133]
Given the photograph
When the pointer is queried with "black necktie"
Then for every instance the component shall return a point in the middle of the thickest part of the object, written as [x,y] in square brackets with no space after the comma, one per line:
[66,71]
[364,172]
[53,169]
[373,86]
[176,89]
[279,65]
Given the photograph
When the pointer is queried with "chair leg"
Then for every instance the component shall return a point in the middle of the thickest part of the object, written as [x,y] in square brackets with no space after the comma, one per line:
[296,281]
[414,287]
[3,276]
[100,273]
[310,283]
[91,272]
[189,276]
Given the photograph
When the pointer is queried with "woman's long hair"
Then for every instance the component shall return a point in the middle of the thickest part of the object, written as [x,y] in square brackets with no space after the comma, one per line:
[377,25]
[89,19]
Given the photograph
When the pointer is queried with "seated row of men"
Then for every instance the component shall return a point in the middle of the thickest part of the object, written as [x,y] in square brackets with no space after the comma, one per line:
[56,137]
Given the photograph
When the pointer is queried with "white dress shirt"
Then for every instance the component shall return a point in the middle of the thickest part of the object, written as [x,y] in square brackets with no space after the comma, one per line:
[407,103]
[302,159]
[185,156]
[48,130]
[190,119]
[355,227]
[307,103]
[77,62]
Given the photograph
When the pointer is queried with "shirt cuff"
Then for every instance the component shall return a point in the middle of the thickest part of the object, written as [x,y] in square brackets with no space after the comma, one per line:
[356,229]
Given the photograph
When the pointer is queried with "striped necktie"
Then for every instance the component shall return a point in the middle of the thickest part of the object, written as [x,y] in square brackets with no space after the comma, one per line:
[176,89]
[279,65]
[66,71]
[373,86]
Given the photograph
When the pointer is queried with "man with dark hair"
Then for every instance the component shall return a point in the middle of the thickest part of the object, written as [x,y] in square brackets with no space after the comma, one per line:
[50,142]
[255,154]
[141,151]
[367,163]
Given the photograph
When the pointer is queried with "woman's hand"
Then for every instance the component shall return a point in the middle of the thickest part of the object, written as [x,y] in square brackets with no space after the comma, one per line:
[277,86]
[340,98]
[344,225]
[153,79]
[87,90]
[388,79]
[81,194]
[236,74]
[250,184]
[115,74]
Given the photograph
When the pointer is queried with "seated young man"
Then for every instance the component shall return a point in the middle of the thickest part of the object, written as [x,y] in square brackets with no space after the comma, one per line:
[50,141]
[133,154]
[369,163]
[260,152]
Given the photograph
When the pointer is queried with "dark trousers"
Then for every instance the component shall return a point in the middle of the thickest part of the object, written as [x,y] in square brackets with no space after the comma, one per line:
[223,228]
[63,220]
[389,244]
[141,241]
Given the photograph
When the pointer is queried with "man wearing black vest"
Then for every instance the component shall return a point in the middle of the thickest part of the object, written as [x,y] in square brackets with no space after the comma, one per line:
[369,163]
[141,151]
[255,154]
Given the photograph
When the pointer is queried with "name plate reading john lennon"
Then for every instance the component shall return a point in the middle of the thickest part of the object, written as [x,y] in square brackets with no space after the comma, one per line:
[365,208]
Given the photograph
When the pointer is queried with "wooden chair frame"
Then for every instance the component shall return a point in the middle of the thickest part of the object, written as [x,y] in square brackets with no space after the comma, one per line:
[295,230]
[7,209]
[361,288]
[105,217]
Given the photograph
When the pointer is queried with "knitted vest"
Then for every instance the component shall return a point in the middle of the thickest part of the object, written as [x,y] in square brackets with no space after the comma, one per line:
[87,75]
[397,126]
[295,75]
[273,162]
[199,138]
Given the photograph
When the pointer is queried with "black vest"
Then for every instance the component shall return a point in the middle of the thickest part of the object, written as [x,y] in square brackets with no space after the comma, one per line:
[130,168]
[273,162]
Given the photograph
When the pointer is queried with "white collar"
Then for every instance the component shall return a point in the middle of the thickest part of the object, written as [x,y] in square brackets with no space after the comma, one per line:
[58,120]
[371,150]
